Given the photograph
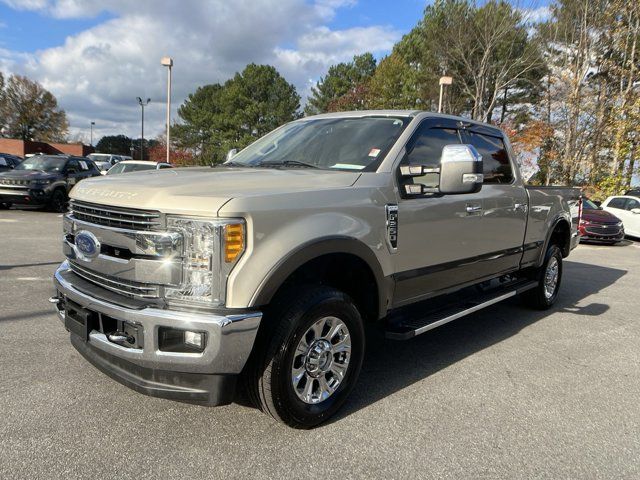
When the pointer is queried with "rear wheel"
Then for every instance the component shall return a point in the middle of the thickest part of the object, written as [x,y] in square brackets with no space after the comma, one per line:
[304,373]
[549,276]
[58,201]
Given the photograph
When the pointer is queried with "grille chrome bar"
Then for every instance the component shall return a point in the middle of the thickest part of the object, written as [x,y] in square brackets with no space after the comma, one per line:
[117,217]
[124,287]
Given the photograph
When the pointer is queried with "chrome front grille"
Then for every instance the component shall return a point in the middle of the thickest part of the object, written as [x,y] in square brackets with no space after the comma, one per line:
[123,287]
[603,229]
[14,182]
[116,217]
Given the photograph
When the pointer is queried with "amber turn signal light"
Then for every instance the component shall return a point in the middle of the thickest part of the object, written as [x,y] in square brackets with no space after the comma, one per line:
[233,241]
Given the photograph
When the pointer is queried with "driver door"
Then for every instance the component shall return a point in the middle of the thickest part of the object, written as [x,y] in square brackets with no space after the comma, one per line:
[437,246]
[74,174]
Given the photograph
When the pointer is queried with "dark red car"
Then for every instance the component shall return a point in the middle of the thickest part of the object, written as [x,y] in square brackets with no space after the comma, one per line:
[597,225]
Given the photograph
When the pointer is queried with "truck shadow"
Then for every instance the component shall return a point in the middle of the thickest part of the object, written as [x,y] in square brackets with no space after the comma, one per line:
[391,366]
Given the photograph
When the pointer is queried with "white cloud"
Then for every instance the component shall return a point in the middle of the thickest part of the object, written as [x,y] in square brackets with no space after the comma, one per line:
[535,15]
[97,74]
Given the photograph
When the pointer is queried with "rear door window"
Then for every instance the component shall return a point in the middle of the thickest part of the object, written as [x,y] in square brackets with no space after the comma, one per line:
[632,203]
[496,164]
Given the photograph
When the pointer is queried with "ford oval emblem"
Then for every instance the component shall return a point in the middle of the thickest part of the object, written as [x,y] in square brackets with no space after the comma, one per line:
[87,245]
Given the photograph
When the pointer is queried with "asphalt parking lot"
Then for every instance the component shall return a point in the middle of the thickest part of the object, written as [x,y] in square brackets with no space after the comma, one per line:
[507,392]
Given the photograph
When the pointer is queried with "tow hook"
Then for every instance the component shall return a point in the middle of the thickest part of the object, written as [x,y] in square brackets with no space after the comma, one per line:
[121,338]
[55,300]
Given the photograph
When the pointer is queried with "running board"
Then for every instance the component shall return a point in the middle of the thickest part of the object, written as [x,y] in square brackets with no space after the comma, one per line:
[405,329]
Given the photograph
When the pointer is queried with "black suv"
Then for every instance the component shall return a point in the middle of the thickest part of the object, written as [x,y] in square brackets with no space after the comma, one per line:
[44,180]
[8,162]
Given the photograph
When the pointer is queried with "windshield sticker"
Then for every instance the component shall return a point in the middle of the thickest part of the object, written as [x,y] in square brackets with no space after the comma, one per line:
[348,166]
[374,152]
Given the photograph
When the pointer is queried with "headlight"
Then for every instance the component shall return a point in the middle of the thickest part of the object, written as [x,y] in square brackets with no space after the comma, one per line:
[40,183]
[211,249]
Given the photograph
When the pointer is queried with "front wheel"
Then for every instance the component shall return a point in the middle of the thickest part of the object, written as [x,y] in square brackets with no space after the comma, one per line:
[311,362]
[58,201]
[549,276]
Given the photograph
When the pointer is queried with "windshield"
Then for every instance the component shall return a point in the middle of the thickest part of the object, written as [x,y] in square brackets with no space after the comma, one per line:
[46,164]
[99,157]
[327,143]
[589,205]
[130,167]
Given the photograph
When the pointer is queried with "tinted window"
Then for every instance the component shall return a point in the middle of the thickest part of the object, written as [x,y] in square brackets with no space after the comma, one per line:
[165,166]
[497,168]
[632,203]
[426,148]
[617,203]
[73,164]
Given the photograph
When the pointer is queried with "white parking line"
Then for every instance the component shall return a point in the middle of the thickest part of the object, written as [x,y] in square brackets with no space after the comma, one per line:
[8,220]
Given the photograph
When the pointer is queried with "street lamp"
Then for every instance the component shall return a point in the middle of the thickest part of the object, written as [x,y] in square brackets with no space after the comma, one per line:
[443,81]
[168,62]
[91,135]
[142,105]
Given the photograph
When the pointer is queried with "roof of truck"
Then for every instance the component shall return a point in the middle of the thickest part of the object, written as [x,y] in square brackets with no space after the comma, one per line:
[396,113]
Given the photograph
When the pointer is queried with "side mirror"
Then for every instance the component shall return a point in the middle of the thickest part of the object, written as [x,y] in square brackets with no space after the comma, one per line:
[460,172]
[231,153]
[460,169]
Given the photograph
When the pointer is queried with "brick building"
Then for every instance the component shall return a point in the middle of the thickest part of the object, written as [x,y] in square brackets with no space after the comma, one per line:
[22,148]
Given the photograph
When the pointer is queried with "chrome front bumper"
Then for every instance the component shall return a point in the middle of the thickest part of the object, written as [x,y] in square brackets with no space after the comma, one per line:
[230,338]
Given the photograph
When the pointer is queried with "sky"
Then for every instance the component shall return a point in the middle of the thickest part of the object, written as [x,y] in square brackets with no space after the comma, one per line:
[97,56]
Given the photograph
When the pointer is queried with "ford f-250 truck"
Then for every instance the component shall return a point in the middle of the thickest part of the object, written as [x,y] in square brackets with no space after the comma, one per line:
[268,268]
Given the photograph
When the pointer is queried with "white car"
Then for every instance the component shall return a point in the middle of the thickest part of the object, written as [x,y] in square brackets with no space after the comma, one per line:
[136,166]
[627,209]
[105,157]
[103,166]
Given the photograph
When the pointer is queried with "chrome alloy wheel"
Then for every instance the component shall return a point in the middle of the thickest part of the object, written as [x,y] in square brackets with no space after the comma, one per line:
[321,360]
[551,278]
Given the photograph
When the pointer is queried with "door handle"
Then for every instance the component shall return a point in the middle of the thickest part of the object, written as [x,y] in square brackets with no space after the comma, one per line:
[522,207]
[473,208]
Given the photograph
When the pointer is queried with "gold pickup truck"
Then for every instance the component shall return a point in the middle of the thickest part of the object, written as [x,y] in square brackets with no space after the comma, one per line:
[266,270]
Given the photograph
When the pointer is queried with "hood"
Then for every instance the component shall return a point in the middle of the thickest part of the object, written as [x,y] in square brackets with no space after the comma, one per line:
[203,190]
[599,216]
[28,175]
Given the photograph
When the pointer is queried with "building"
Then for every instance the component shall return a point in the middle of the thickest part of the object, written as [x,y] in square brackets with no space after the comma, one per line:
[23,148]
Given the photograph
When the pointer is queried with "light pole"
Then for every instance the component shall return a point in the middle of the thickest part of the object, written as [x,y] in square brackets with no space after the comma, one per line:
[142,104]
[443,81]
[91,134]
[168,62]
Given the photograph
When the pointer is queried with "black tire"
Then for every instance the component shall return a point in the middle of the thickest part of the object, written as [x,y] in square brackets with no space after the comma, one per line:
[58,202]
[268,376]
[537,297]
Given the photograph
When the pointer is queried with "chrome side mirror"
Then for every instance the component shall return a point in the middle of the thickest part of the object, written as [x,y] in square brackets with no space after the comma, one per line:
[460,170]
[231,153]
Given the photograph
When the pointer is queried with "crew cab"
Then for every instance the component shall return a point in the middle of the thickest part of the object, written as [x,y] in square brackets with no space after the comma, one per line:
[267,269]
[44,180]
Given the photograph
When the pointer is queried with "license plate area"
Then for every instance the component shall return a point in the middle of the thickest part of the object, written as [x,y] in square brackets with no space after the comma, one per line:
[81,322]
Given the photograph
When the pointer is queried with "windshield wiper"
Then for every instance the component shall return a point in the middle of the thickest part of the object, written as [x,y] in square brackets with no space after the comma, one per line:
[286,163]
